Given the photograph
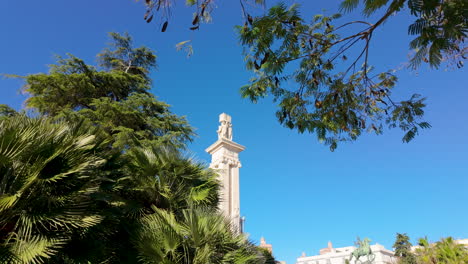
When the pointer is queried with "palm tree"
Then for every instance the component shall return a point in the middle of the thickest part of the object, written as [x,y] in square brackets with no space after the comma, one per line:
[171,203]
[445,251]
[450,252]
[66,196]
[198,237]
[425,252]
[163,177]
[152,178]
[81,190]
[47,181]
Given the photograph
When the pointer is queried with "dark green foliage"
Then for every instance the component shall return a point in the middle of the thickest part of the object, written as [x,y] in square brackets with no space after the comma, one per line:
[197,237]
[122,57]
[138,120]
[100,178]
[114,96]
[66,197]
[323,81]
[49,173]
[163,177]
[301,65]
[151,180]
[441,27]
[445,251]
[269,259]
[6,111]
[402,247]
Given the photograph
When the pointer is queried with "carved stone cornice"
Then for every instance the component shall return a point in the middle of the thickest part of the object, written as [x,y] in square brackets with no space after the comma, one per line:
[228,144]
[226,160]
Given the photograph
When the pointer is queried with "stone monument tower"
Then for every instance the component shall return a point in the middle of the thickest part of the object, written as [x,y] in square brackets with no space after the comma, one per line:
[225,160]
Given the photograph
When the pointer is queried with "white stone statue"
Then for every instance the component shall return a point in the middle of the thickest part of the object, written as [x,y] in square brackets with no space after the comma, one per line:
[225,128]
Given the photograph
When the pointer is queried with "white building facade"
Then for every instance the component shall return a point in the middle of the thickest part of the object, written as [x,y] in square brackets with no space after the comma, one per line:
[332,255]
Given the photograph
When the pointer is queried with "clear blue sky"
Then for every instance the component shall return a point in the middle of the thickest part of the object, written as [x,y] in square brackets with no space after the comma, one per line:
[294,191]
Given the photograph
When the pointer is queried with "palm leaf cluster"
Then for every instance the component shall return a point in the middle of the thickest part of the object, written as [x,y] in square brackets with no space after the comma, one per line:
[66,197]
[48,175]
[445,251]
[198,237]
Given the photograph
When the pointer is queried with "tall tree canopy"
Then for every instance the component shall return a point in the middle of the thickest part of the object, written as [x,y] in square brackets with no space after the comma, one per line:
[402,247]
[114,95]
[99,176]
[321,75]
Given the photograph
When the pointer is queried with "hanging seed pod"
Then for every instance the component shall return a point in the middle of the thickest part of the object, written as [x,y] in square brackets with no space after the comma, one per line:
[195,20]
[318,104]
[257,67]
[149,19]
[250,19]
[265,58]
[164,27]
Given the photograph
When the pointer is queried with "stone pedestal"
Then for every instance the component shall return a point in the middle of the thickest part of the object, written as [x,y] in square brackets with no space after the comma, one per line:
[225,160]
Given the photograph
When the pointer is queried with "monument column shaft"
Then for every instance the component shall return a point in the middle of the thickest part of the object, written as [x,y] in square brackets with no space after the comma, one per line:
[229,194]
[224,179]
[235,201]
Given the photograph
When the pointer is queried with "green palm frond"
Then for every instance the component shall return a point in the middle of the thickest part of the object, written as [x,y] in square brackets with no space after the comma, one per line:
[35,249]
[61,202]
[160,237]
[163,177]
[48,174]
[446,251]
[200,236]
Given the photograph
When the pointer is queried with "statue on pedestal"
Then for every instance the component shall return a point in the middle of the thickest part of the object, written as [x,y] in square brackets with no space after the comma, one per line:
[225,160]
[225,128]
[363,250]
